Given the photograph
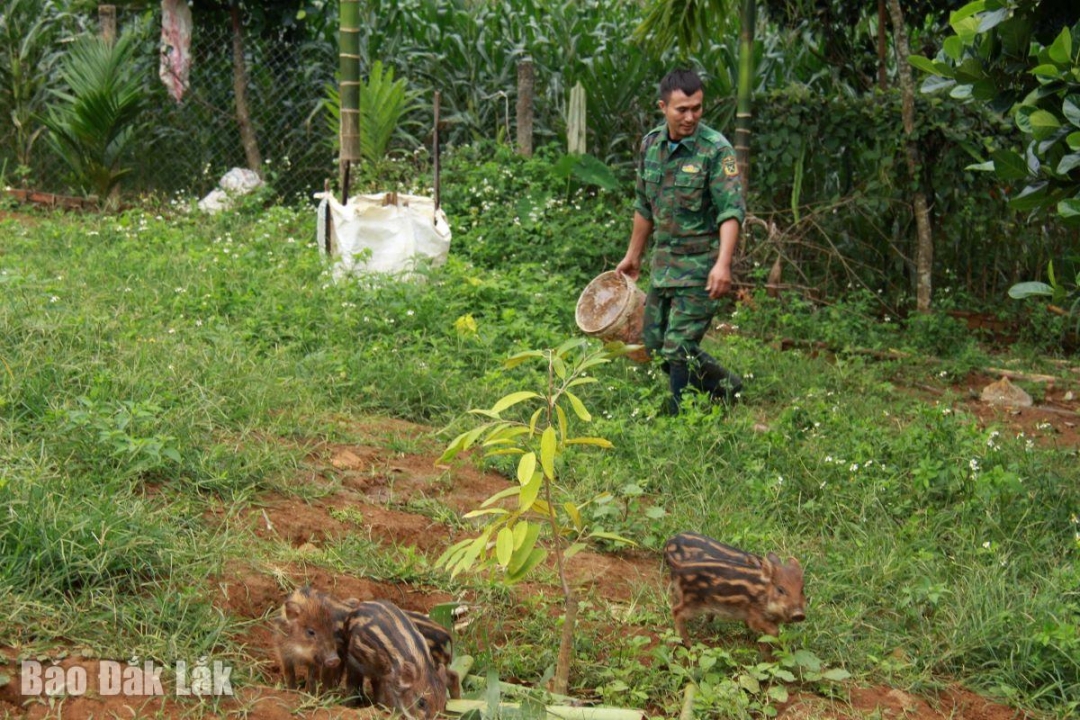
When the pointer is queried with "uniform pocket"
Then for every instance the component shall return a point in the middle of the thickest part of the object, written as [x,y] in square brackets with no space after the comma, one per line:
[689,191]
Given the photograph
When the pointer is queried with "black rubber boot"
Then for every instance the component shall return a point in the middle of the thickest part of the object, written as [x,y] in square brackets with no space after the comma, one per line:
[678,379]
[712,378]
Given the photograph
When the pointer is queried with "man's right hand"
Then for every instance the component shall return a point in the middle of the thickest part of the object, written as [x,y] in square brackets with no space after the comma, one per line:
[630,267]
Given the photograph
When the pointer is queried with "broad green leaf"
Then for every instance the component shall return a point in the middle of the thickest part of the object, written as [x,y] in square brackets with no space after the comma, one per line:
[778,693]
[807,660]
[966,11]
[1031,197]
[574,514]
[988,21]
[1043,124]
[1068,163]
[513,399]
[1060,50]
[530,491]
[597,441]
[526,468]
[934,84]
[581,381]
[533,559]
[836,675]
[1046,72]
[1029,289]
[954,49]
[925,64]
[1070,108]
[1009,165]
[548,446]
[749,683]
[504,546]
[514,360]
[1069,209]
[987,166]
[579,407]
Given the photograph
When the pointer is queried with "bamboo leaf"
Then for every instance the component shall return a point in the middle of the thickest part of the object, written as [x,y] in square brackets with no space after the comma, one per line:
[452,553]
[581,381]
[574,549]
[508,492]
[526,468]
[560,414]
[513,399]
[574,514]
[579,407]
[530,561]
[530,492]
[558,366]
[597,441]
[488,511]
[548,446]
[514,360]
[504,546]
[612,537]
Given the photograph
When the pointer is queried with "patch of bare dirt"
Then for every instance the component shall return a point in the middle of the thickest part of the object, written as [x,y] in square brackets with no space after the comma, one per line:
[371,489]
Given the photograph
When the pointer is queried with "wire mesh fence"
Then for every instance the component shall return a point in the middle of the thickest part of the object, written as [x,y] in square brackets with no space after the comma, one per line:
[185,147]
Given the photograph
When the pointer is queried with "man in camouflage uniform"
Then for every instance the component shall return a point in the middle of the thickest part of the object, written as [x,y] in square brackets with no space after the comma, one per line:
[689,199]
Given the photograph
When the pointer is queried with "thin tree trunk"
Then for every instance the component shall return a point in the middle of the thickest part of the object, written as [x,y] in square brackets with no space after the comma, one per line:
[107,21]
[240,81]
[924,249]
[743,114]
[526,83]
[349,88]
[882,16]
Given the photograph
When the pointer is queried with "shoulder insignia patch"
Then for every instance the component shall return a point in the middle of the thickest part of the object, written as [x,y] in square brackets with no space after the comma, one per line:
[730,168]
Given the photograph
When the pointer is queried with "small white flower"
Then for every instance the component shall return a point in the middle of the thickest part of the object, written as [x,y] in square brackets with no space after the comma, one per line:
[974,465]
[410,313]
[54,298]
[828,458]
[986,544]
[854,467]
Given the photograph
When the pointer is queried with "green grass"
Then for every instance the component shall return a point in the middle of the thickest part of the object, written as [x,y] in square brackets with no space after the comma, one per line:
[155,367]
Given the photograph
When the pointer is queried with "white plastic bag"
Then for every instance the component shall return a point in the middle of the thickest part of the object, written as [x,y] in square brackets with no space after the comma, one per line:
[383,233]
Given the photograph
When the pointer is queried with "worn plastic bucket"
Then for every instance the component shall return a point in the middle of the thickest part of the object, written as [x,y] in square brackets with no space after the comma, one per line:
[611,307]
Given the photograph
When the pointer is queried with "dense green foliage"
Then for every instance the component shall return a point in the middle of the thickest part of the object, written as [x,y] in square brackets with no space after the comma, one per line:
[160,370]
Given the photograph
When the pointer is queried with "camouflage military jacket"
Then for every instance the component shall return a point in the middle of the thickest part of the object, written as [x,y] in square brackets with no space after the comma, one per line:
[687,192]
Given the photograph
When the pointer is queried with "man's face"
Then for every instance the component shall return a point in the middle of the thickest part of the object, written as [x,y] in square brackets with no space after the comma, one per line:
[682,112]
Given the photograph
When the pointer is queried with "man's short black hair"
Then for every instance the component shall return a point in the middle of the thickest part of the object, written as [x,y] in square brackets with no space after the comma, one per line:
[679,79]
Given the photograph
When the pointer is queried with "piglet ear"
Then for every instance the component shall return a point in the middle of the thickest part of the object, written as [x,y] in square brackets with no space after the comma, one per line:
[351,603]
[774,559]
[793,562]
[292,610]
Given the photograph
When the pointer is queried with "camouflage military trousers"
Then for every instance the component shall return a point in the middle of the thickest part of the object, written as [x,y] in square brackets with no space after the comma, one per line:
[676,319]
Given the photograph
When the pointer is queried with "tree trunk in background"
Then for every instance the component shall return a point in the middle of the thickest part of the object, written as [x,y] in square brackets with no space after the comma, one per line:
[525,83]
[924,250]
[349,89]
[240,81]
[743,114]
[107,22]
[882,17]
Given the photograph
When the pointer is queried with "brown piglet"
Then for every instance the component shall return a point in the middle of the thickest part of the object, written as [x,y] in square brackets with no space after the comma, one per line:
[385,647]
[310,641]
[440,645]
[709,577]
